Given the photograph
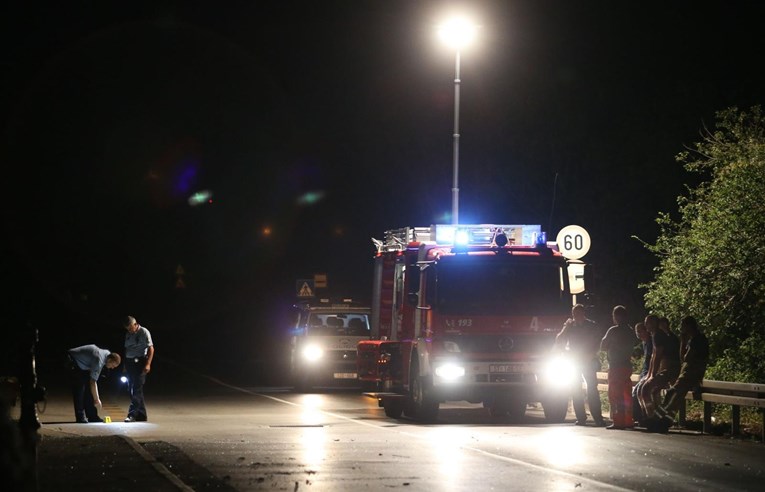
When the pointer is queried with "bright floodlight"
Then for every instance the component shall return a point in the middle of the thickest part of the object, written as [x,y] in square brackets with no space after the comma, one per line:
[457,32]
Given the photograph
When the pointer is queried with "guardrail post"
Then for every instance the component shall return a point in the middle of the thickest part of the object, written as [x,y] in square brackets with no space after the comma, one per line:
[735,425]
[707,429]
[681,414]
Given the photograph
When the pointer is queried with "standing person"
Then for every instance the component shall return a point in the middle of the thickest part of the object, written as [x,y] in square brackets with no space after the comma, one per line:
[694,348]
[665,365]
[619,343]
[86,363]
[139,352]
[647,344]
[582,337]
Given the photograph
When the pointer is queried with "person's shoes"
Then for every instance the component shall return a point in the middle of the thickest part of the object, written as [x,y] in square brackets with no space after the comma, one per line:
[82,421]
[614,426]
[130,418]
[600,423]
[580,423]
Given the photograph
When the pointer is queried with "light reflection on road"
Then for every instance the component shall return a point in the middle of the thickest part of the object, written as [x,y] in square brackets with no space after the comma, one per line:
[312,413]
[314,446]
[558,446]
[447,443]
[313,439]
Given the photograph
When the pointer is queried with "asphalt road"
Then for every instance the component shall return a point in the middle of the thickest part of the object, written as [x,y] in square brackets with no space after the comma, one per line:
[224,435]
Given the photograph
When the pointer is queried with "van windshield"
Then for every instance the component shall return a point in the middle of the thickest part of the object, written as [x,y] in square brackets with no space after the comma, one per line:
[338,324]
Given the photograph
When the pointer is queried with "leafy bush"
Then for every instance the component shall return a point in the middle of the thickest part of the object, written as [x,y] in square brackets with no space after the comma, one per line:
[712,257]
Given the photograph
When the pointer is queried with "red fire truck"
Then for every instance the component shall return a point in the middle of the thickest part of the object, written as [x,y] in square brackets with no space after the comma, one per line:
[467,313]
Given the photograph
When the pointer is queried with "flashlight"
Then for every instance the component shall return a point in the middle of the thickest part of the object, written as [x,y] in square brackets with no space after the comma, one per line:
[123,379]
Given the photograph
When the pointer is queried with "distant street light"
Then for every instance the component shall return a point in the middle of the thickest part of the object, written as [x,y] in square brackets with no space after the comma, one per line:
[456,33]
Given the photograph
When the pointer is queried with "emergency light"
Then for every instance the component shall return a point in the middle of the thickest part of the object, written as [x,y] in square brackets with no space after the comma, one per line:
[486,234]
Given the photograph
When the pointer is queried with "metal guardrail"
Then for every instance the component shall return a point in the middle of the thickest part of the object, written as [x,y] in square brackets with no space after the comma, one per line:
[735,394]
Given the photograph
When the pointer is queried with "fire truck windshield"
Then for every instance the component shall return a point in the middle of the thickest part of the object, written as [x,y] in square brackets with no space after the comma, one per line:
[499,285]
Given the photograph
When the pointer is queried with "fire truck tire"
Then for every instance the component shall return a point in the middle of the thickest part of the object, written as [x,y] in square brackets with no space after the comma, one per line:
[393,407]
[555,409]
[421,404]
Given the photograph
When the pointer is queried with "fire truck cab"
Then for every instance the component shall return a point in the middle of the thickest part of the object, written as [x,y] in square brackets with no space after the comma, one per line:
[323,342]
[467,313]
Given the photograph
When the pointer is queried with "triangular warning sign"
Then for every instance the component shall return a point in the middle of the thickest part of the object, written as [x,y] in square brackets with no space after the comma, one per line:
[179,284]
[305,290]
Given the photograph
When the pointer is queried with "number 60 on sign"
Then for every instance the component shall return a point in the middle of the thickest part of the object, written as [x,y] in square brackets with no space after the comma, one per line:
[573,242]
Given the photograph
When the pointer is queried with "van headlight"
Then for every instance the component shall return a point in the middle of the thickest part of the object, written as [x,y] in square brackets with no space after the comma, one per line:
[450,371]
[312,353]
[560,371]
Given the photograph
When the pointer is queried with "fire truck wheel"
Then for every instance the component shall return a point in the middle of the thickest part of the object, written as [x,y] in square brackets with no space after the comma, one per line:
[421,405]
[555,410]
[393,407]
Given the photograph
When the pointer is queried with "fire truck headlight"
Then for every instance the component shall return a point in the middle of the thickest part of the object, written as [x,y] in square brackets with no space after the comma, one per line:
[450,372]
[312,353]
[451,347]
[560,371]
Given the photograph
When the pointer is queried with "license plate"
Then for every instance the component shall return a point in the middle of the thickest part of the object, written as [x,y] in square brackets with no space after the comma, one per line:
[506,368]
[346,375]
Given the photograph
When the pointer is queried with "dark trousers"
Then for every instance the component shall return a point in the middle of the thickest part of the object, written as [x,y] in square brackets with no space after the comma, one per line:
[82,398]
[593,396]
[690,378]
[136,380]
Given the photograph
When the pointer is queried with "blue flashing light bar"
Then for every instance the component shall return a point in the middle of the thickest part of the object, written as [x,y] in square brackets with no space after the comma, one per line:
[482,234]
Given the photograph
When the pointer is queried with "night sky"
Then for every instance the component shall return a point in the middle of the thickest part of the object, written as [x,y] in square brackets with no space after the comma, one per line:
[318,125]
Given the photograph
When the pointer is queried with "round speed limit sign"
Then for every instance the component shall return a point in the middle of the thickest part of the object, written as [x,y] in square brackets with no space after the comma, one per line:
[573,242]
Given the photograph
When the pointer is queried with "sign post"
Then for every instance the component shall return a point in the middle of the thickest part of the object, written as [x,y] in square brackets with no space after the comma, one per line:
[573,243]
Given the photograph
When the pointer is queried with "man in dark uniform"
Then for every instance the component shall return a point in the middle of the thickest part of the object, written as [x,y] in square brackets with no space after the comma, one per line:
[86,363]
[139,352]
[694,347]
[582,337]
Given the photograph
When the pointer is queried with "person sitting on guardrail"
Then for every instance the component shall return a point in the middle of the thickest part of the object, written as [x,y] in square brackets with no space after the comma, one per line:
[618,344]
[665,365]
[694,348]
[647,347]
[582,337]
